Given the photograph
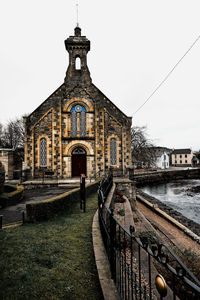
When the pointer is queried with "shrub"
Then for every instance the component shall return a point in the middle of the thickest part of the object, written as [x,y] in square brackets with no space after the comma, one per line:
[12,195]
[46,209]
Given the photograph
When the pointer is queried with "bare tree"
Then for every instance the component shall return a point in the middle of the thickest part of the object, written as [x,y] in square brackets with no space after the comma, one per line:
[143,154]
[1,135]
[13,134]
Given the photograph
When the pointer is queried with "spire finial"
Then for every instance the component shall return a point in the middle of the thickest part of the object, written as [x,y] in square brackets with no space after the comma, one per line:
[77,14]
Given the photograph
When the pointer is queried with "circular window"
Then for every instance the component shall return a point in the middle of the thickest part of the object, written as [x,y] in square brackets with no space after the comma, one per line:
[78,108]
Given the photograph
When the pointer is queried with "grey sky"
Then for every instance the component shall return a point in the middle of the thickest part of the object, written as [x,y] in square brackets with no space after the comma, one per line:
[134,44]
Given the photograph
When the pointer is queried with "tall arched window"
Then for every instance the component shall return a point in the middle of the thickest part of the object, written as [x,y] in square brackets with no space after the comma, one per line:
[74,124]
[78,111]
[82,123]
[43,152]
[113,152]
[78,63]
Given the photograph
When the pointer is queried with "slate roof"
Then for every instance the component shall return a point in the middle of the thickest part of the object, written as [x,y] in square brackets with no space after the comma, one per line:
[182,151]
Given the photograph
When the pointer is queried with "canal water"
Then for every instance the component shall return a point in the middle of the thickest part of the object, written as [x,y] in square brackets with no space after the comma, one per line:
[179,195]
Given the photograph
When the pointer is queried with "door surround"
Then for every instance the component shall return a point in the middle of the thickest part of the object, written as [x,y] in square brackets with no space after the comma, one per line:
[79,162]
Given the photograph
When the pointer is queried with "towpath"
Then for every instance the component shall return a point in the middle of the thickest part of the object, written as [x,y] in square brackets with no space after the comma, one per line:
[169,232]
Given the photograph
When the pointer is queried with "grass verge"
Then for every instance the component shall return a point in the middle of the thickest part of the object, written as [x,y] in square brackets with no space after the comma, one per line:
[51,260]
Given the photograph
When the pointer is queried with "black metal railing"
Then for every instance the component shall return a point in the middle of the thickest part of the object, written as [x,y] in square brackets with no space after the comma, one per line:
[142,267]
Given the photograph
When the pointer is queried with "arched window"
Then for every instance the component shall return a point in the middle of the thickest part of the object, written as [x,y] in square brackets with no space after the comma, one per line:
[78,150]
[74,124]
[43,152]
[113,152]
[78,63]
[83,123]
[78,111]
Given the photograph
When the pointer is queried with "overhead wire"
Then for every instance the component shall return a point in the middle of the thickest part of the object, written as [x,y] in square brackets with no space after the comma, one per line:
[167,76]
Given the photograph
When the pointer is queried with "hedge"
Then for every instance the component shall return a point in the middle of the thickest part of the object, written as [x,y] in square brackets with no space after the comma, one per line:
[46,209]
[12,195]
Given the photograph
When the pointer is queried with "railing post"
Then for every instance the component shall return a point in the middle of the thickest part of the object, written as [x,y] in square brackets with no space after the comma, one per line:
[132,229]
[82,192]
[1,221]
[112,246]
[23,217]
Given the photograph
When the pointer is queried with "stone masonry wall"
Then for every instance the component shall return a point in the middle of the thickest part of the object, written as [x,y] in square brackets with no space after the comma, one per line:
[165,176]
[55,126]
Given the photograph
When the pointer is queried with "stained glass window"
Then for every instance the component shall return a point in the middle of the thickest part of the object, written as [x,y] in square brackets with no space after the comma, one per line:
[43,152]
[82,123]
[113,152]
[74,110]
[74,124]
[78,150]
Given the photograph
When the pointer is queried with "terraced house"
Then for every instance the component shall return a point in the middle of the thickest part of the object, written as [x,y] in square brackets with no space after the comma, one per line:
[182,157]
[77,129]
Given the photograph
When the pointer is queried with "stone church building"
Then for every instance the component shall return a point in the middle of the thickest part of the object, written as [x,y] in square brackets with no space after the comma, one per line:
[77,129]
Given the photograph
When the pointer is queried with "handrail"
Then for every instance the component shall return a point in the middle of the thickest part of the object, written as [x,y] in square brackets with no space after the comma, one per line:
[116,248]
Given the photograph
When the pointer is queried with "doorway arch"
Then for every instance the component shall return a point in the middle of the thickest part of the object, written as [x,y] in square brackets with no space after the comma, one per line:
[78,162]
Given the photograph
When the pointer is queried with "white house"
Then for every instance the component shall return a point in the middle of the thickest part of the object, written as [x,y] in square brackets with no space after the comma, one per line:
[162,157]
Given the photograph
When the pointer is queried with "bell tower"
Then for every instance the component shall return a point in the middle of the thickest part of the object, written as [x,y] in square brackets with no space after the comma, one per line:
[78,47]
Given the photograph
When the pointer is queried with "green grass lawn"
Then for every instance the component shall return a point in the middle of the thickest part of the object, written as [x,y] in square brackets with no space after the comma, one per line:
[51,260]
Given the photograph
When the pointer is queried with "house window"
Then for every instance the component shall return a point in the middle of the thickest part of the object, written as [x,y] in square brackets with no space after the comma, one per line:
[180,155]
[186,161]
[43,152]
[180,161]
[175,161]
[113,152]
[164,156]
[186,155]
[78,111]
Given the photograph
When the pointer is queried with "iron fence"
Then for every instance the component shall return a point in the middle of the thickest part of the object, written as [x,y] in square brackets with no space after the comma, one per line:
[141,266]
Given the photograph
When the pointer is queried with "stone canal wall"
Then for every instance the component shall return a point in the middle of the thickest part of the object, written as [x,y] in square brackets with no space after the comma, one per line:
[165,176]
[191,225]
[155,178]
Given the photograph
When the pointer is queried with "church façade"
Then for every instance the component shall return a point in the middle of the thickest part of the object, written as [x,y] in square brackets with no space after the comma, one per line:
[77,129]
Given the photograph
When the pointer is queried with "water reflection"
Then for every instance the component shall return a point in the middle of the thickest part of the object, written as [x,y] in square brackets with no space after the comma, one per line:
[177,196]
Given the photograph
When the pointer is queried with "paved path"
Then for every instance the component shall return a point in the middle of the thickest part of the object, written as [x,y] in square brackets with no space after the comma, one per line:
[12,214]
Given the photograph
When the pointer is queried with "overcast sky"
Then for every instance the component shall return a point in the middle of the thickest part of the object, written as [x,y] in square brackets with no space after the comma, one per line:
[134,44]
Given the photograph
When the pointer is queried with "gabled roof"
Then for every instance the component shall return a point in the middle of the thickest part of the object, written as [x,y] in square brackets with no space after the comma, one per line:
[161,148]
[182,151]
[105,97]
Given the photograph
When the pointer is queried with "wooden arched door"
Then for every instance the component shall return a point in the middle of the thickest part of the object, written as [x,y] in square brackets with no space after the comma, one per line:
[78,162]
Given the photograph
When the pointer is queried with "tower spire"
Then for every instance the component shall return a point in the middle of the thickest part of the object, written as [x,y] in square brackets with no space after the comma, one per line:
[77,23]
